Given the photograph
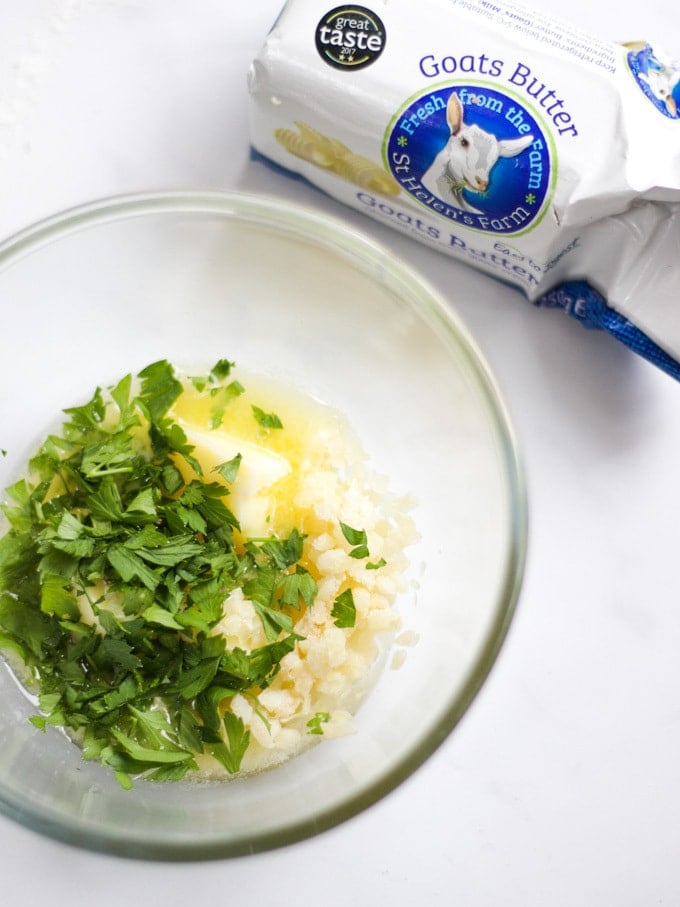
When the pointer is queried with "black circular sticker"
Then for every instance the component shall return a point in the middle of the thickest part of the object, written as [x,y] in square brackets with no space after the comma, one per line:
[350,37]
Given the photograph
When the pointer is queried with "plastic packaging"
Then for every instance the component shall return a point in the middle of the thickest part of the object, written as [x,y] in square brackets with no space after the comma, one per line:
[544,156]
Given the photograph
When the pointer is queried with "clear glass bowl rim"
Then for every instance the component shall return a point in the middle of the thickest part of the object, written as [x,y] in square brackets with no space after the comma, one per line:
[327,231]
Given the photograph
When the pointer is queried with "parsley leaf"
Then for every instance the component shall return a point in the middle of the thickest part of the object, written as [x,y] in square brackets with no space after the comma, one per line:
[344,612]
[231,754]
[229,469]
[316,723]
[376,565]
[221,369]
[222,397]
[57,599]
[160,388]
[151,754]
[298,585]
[357,538]
[266,420]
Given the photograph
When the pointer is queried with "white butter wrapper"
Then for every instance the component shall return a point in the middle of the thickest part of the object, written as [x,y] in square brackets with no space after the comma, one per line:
[542,155]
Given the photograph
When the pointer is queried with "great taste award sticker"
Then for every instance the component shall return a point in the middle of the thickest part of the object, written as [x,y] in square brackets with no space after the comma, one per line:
[350,37]
[474,155]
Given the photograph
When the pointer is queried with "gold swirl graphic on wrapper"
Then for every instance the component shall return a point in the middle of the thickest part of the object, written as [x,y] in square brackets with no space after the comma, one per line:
[331,154]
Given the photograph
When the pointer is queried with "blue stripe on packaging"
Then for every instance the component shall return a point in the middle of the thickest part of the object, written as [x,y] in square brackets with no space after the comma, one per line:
[578,299]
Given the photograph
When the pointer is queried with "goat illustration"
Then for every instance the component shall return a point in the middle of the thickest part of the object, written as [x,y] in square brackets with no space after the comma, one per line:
[467,158]
[660,79]
[664,83]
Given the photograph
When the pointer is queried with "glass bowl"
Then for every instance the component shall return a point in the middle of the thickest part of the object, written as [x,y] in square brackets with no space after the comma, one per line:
[103,290]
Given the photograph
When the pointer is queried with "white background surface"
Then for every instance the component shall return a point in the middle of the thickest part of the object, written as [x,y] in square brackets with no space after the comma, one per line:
[562,784]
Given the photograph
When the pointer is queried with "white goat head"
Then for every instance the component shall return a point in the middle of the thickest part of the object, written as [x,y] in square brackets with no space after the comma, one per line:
[467,159]
[662,82]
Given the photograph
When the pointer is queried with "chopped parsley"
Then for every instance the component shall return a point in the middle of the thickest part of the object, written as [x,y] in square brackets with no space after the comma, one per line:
[113,574]
[316,723]
[266,420]
[344,611]
[359,540]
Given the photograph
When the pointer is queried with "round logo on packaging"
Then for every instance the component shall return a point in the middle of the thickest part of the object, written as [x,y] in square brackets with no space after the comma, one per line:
[474,155]
[350,37]
[658,78]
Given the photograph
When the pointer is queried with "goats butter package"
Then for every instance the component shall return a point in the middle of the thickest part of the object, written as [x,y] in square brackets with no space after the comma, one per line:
[538,153]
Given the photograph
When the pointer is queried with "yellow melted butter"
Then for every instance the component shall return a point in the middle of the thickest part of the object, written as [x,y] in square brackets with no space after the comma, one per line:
[274,460]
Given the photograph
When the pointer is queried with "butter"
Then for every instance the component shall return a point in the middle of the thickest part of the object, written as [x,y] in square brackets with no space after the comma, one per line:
[544,156]
[260,469]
